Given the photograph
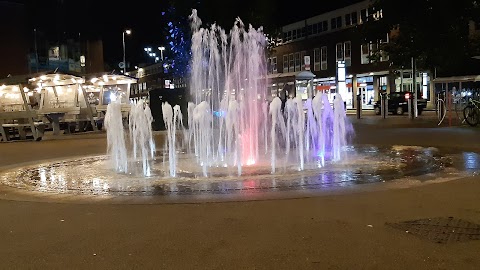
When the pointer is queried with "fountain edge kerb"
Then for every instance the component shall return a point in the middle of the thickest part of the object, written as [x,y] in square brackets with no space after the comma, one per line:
[221,197]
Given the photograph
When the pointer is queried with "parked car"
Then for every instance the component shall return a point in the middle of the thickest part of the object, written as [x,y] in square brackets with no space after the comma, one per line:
[398,103]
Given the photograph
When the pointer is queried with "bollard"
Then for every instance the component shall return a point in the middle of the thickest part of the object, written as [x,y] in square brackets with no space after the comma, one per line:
[383,105]
[411,113]
[359,106]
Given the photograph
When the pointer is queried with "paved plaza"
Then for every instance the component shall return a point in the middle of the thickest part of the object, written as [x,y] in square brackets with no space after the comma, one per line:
[348,229]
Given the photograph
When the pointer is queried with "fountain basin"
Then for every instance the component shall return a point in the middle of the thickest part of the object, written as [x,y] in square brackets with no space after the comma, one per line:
[364,164]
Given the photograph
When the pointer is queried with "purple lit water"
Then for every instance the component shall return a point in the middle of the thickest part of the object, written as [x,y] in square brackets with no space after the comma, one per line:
[232,123]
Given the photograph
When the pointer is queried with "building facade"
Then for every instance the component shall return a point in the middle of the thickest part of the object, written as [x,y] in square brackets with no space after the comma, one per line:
[14,44]
[73,55]
[318,44]
[154,77]
[157,85]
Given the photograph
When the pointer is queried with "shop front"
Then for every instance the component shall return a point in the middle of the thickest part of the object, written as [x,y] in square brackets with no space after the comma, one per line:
[291,84]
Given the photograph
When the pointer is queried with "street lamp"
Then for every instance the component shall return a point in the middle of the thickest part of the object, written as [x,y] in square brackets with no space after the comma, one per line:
[128,32]
[161,49]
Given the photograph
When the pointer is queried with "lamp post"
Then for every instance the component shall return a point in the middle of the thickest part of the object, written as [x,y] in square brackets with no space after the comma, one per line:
[128,32]
[36,49]
[161,49]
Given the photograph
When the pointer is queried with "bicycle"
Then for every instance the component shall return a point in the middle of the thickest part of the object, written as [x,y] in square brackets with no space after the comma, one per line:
[460,102]
[471,112]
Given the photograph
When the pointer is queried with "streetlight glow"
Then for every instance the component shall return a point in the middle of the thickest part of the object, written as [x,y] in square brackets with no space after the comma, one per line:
[128,32]
[161,49]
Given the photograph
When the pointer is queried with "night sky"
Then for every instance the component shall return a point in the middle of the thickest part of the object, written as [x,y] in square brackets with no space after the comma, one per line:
[107,19]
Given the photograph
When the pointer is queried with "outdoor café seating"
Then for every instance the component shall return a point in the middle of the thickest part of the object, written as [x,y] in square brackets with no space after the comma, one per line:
[63,101]
[18,120]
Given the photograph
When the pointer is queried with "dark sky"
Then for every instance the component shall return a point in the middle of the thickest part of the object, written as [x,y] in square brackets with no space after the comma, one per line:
[107,19]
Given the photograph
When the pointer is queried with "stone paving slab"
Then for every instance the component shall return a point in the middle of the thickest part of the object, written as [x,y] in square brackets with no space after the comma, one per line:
[338,231]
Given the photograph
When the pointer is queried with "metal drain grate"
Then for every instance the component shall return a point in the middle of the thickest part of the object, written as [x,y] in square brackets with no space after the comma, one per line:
[442,230]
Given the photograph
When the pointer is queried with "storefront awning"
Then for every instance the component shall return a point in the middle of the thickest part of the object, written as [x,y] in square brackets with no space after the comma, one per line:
[112,79]
[298,75]
[454,79]
[56,79]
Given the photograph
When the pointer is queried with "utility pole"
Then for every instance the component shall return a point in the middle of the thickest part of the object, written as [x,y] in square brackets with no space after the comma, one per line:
[415,96]
[36,49]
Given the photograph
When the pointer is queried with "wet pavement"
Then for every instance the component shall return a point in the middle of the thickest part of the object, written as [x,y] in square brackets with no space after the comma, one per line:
[344,230]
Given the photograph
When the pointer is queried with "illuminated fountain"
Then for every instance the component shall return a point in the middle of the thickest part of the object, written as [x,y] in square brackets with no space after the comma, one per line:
[231,122]
[236,140]
[140,144]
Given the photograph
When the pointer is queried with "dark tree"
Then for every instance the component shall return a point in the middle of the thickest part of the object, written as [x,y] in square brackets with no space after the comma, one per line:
[436,33]
[178,34]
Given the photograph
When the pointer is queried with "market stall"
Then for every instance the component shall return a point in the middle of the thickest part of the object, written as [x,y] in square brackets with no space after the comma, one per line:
[16,113]
[63,100]
[106,88]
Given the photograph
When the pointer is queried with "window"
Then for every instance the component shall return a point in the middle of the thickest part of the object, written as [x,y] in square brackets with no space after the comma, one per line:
[339,51]
[377,15]
[285,63]
[354,18]
[319,27]
[383,54]
[302,60]
[325,25]
[294,34]
[316,59]
[297,61]
[363,16]
[291,65]
[373,48]
[336,22]
[274,64]
[348,53]
[324,58]
[269,65]
[309,29]
[365,51]
[348,19]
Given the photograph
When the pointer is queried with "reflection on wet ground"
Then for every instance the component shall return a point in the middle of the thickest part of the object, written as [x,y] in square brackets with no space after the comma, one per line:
[363,164]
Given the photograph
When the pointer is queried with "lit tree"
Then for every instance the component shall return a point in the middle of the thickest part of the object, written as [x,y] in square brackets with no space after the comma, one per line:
[177,34]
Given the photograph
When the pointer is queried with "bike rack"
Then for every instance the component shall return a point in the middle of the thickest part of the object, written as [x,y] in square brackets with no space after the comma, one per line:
[441,110]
